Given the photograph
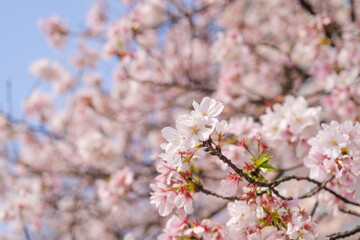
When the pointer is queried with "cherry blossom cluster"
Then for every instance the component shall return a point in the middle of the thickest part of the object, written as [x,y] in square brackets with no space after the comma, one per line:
[288,126]
[253,212]
[86,58]
[292,120]
[253,216]
[96,18]
[54,73]
[117,187]
[55,30]
[183,141]
[191,130]
[176,227]
[335,152]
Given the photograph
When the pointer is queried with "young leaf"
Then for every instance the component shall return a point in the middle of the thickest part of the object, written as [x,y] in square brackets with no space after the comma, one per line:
[263,160]
[267,168]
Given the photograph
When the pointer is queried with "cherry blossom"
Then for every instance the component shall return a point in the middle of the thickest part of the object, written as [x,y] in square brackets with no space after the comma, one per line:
[55,30]
[189,120]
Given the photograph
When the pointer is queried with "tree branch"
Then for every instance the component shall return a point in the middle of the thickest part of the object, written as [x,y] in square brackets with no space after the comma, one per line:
[217,152]
[344,234]
[272,184]
[307,7]
[352,11]
[200,188]
[349,211]
[314,209]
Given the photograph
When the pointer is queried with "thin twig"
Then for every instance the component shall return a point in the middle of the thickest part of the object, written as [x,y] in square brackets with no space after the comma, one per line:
[314,209]
[26,232]
[24,228]
[348,211]
[272,184]
[307,7]
[352,11]
[200,188]
[344,234]
[217,152]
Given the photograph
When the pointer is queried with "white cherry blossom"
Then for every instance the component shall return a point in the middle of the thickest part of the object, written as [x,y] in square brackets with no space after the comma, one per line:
[208,107]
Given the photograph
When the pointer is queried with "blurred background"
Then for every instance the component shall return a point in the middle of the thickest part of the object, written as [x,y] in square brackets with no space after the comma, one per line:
[21,42]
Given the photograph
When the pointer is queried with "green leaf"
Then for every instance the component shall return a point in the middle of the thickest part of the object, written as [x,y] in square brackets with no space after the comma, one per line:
[263,160]
[267,168]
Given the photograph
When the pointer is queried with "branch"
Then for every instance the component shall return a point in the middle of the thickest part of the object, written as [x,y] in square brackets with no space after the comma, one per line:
[272,184]
[344,234]
[341,197]
[348,211]
[200,188]
[320,186]
[307,7]
[217,152]
[314,209]
[316,189]
[26,232]
[352,11]
[288,178]
[23,226]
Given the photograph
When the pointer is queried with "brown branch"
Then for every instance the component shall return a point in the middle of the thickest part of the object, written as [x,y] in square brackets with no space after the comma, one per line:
[23,226]
[272,184]
[217,152]
[316,189]
[281,171]
[314,209]
[341,197]
[200,188]
[348,211]
[352,11]
[307,7]
[320,186]
[344,234]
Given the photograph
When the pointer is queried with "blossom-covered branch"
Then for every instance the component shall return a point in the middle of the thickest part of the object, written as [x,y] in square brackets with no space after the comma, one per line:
[270,149]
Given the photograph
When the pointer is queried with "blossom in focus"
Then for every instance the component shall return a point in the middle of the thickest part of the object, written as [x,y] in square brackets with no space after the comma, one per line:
[164,200]
[330,141]
[208,107]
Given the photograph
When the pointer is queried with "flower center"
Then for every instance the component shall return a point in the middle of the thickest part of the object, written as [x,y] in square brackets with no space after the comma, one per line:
[194,130]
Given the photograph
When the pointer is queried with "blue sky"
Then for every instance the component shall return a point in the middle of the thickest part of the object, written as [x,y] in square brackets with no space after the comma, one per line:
[21,41]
